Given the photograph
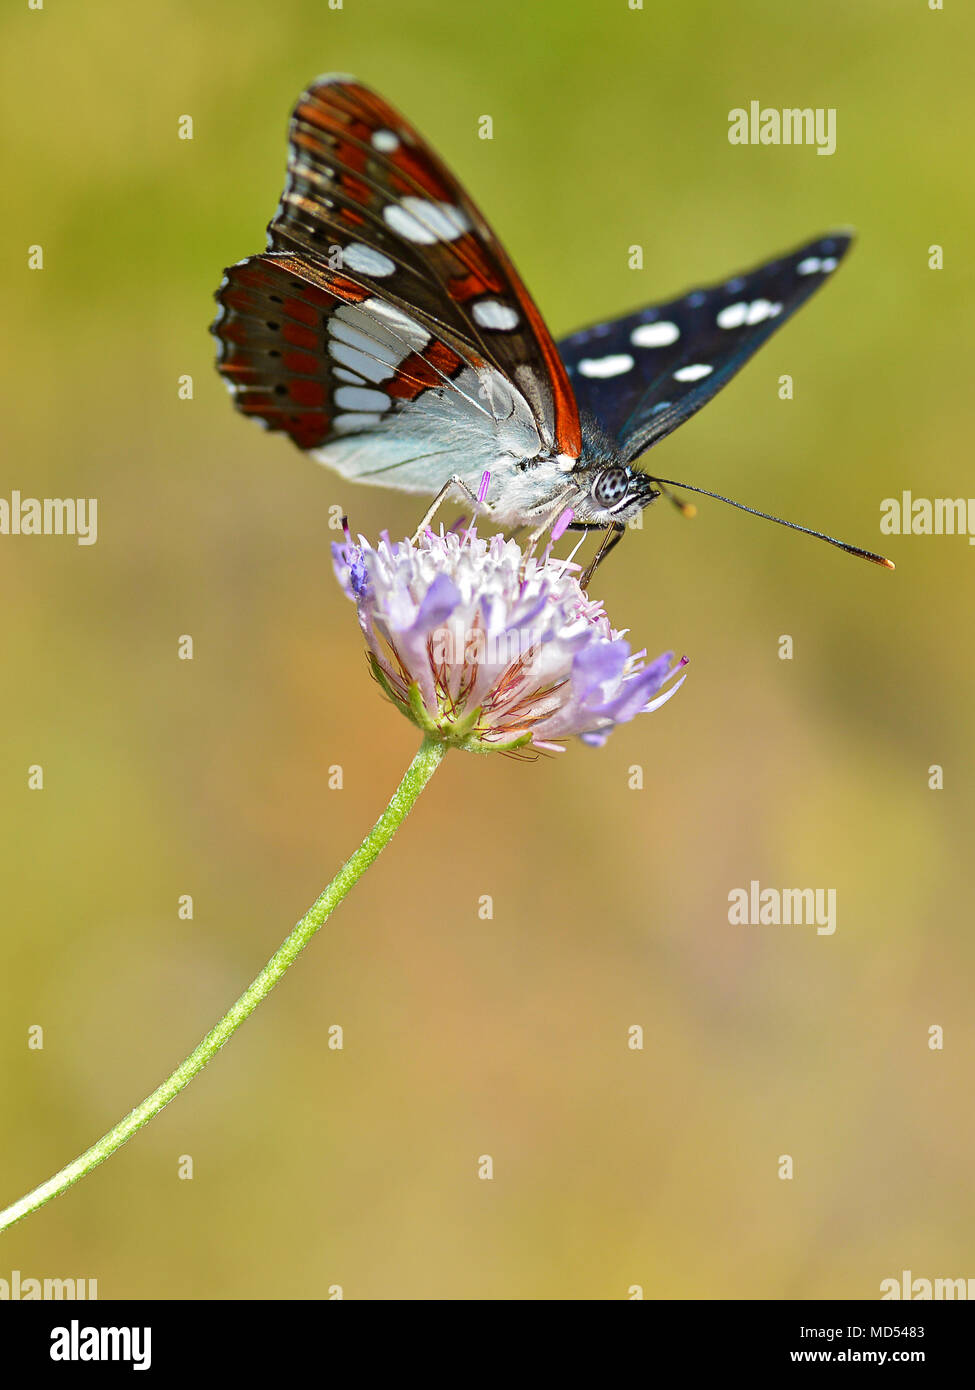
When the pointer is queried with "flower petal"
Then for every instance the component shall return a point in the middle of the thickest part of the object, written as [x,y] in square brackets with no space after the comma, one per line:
[501,648]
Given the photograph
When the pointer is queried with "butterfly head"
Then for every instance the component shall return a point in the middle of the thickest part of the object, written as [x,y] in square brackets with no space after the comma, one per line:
[613,494]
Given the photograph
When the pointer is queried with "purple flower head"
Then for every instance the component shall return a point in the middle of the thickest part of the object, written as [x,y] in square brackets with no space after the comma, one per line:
[491,651]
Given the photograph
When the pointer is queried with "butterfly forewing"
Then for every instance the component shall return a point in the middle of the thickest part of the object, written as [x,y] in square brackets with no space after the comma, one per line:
[641,376]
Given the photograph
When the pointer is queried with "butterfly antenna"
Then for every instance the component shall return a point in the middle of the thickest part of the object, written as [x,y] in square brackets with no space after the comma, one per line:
[780,521]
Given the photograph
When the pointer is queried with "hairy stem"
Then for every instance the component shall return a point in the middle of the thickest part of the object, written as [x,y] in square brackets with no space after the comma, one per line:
[419,772]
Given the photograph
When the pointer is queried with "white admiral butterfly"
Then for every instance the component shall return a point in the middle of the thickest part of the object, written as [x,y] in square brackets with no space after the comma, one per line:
[387,332]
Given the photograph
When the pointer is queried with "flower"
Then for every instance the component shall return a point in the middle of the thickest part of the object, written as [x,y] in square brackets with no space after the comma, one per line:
[488,650]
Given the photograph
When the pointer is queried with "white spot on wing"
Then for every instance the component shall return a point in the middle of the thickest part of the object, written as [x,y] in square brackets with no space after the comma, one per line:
[809,266]
[489,313]
[380,341]
[738,315]
[385,141]
[758,311]
[651,335]
[416,336]
[359,398]
[693,373]
[614,365]
[366,260]
[732,316]
[425,222]
[369,341]
[365,363]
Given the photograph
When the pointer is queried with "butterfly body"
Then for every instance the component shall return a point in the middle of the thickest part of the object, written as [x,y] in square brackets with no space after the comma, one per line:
[386,331]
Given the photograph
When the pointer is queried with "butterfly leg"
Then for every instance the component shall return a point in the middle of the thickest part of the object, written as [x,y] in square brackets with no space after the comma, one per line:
[549,518]
[611,538]
[456,481]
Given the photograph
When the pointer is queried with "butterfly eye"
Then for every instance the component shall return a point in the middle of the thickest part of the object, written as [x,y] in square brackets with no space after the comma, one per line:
[611,486]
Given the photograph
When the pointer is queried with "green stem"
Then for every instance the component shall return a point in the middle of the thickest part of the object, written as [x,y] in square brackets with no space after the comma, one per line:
[419,772]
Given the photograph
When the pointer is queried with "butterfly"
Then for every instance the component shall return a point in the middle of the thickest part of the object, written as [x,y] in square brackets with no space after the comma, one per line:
[387,332]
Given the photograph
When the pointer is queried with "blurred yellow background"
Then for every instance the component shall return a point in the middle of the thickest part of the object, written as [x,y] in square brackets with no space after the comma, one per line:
[507,1037]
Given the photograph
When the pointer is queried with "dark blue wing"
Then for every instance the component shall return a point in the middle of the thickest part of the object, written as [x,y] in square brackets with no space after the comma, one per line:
[643,375]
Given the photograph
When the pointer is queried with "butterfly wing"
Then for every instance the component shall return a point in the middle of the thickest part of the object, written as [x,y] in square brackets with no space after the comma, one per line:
[644,374]
[314,355]
[385,328]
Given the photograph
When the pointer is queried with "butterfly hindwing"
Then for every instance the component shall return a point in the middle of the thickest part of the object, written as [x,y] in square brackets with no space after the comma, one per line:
[385,315]
[642,375]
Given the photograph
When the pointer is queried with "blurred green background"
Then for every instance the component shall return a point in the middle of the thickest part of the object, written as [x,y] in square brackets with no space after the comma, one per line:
[163,777]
